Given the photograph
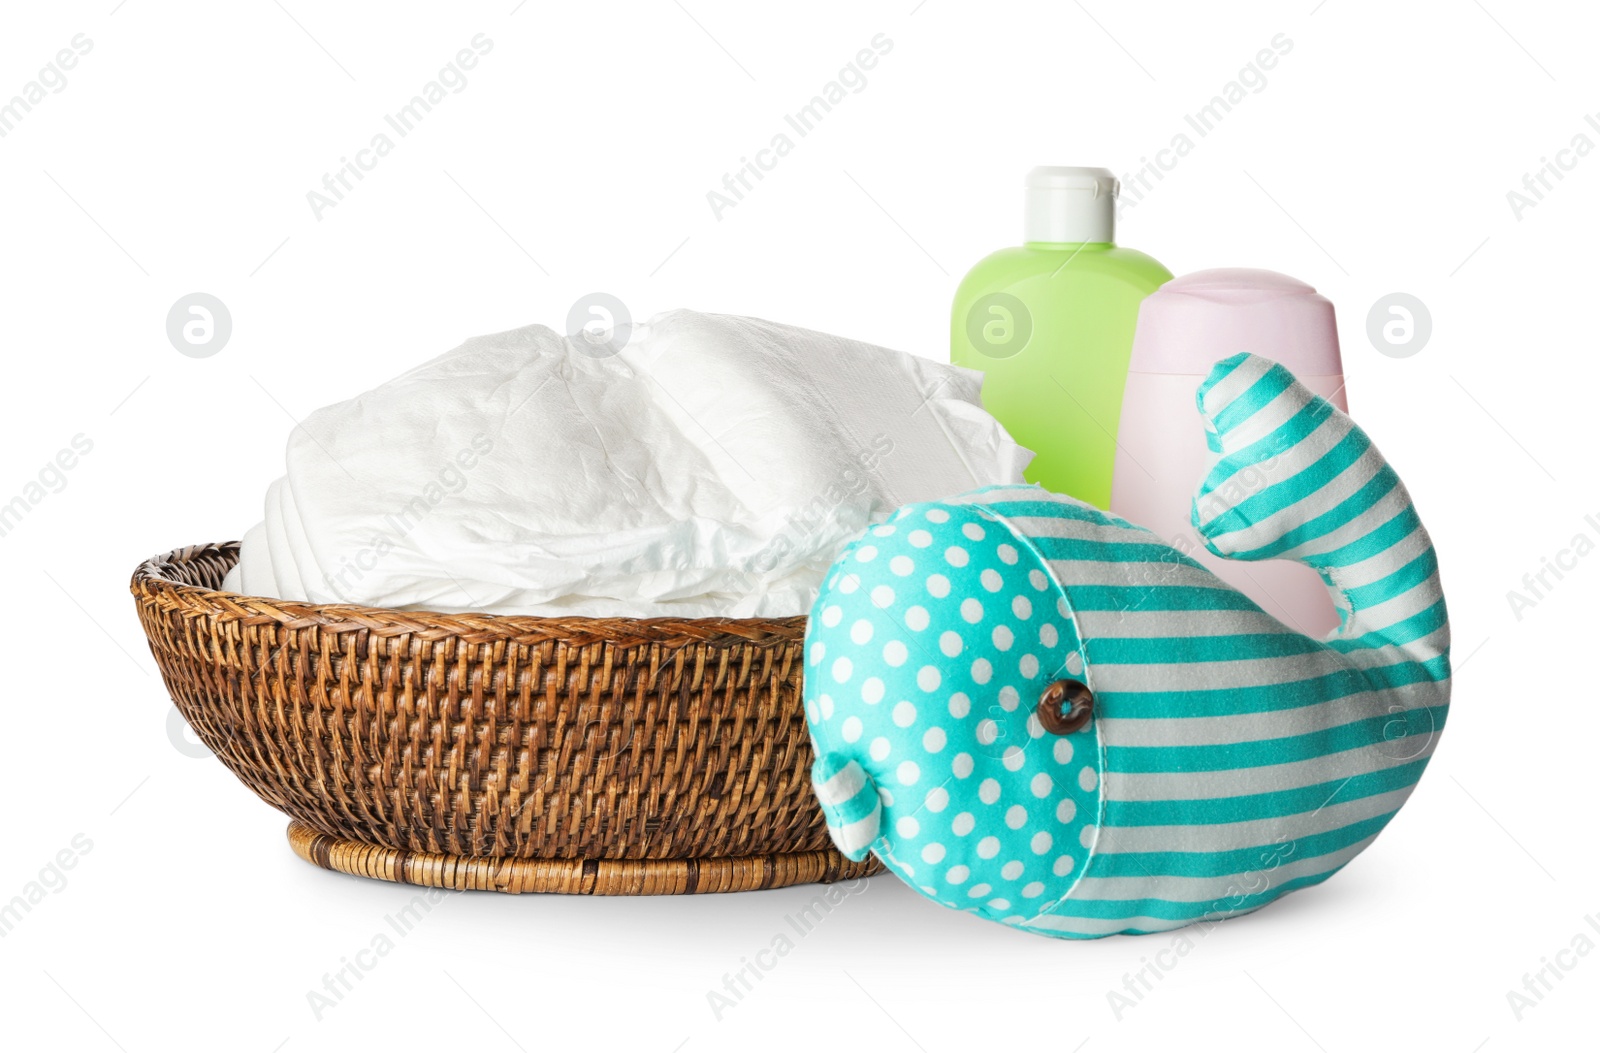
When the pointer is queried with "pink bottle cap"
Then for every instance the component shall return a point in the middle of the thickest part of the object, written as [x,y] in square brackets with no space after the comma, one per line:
[1191,322]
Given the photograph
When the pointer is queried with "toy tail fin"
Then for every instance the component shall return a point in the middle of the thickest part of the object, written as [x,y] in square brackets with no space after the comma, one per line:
[1291,477]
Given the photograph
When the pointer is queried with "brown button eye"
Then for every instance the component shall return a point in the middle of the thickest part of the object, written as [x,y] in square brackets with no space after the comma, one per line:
[1065,706]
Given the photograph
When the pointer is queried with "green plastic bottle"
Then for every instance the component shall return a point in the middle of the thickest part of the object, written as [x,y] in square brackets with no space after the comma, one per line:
[1050,324]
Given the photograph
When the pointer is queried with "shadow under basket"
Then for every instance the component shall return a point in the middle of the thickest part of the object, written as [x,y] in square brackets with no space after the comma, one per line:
[595,756]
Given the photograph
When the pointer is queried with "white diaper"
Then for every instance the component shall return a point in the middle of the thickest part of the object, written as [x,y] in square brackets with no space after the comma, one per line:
[714,466]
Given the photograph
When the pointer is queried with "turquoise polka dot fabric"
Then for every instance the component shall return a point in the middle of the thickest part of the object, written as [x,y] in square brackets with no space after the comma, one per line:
[939,632]
[1228,759]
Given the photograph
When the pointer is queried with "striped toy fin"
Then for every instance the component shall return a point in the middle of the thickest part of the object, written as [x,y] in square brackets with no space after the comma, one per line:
[1289,476]
[850,803]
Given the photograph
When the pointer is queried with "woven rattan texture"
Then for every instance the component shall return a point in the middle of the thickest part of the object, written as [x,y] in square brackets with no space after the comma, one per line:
[589,755]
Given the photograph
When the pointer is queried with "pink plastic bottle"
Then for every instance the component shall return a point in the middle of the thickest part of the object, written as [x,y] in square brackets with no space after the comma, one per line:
[1184,327]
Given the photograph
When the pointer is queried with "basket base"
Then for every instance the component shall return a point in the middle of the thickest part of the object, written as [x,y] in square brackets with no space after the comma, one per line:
[577,877]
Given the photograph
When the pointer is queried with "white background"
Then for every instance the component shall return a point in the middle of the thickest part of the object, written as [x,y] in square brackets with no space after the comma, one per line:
[1376,159]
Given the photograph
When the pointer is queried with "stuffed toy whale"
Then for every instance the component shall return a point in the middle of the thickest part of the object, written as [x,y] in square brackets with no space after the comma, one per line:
[1034,711]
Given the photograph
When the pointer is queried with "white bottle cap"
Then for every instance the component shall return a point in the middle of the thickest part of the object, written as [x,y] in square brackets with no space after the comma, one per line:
[1064,204]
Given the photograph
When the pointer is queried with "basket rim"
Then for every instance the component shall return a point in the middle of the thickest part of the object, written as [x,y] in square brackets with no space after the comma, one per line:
[152,580]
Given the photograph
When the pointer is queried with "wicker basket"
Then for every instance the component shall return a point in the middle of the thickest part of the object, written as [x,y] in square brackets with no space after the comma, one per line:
[597,756]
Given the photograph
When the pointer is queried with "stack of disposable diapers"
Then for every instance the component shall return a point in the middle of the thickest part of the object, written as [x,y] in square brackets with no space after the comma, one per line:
[714,465]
